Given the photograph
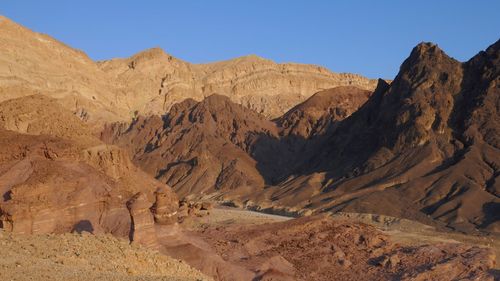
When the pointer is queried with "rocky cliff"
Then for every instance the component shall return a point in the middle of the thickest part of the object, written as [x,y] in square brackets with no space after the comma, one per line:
[423,147]
[199,147]
[149,82]
[57,177]
[158,80]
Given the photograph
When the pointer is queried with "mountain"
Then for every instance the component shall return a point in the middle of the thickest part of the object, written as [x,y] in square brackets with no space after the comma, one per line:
[33,63]
[158,80]
[321,110]
[424,147]
[198,147]
[56,177]
[93,147]
[151,81]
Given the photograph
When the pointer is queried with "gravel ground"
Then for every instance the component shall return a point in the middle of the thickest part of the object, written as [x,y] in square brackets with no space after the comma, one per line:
[225,216]
[76,257]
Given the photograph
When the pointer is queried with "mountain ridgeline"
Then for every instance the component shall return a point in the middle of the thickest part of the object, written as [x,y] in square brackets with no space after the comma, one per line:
[424,147]
[250,132]
[152,149]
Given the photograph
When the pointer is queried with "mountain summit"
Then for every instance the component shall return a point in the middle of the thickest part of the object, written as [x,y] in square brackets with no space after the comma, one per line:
[151,81]
[424,147]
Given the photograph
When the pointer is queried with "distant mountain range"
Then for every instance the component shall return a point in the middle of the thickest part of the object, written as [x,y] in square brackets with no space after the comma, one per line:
[249,132]
[152,81]
[425,147]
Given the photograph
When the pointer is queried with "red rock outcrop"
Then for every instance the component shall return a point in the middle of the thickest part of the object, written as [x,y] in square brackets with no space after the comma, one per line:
[199,147]
[46,189]
[320,248]
[165,206]
[59,178]
[424,147]
[321,111]
[143,224]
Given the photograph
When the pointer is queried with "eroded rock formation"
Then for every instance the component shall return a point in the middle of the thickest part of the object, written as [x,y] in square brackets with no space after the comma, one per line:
[427,145]
[56,177]
[424,147]
[200,147]
[165,207]
[320,248]
[159,80]
[149,82]
[321,111]
[143,225]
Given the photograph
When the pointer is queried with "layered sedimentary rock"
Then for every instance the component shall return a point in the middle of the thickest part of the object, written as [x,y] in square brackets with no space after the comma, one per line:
[424,147]
[321,111]
[218,146]
[143,225]
[165,206]
[47,188]
[55,176]
[150,81]
[440,120]
[34,63]
[158,80]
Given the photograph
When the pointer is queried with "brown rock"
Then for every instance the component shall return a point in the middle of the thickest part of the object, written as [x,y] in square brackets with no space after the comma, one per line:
[166,206]
[143,229]
[290,247]
[424,129]
[58,177]
[207,206]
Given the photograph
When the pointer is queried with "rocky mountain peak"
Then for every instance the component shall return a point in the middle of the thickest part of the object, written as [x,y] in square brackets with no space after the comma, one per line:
[151,55]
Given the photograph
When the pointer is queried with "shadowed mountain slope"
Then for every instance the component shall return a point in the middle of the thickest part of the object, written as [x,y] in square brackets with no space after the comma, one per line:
[427,145]
[424,147]
[199,147]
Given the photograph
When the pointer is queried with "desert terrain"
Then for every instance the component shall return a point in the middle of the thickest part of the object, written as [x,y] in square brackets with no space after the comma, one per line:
[154,168]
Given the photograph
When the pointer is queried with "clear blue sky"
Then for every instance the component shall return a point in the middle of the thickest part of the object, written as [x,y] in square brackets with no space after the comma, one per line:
[367,37]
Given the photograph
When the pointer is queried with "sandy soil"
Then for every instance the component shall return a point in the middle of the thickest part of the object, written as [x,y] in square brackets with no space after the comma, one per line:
[103,257]
[78,257]
[225,216]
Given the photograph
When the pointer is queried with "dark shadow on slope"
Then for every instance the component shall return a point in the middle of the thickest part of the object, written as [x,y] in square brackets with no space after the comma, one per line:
[341,150]
[7,195]
[83,225]
[492,213]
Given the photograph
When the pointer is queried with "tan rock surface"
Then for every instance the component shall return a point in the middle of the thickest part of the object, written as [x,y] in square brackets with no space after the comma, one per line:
[163,210]
[34,63]
[150,81]
[159,80]
[143,225]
